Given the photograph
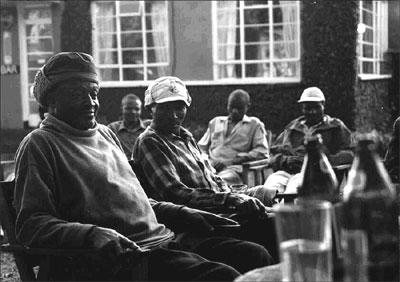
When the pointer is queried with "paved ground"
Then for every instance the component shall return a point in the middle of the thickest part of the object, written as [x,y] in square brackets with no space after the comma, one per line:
[8,269]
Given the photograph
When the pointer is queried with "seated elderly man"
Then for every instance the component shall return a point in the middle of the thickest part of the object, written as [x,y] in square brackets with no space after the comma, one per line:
[131,125]
[75,189]
[231,140]
[170,166]
[288,151]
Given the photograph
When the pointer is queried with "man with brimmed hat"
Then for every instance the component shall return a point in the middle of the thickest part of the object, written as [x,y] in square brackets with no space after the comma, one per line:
[75,189]
[288,151]
[170,167]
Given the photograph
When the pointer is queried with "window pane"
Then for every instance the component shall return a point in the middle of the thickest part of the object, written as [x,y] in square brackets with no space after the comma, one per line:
[108,57]
[158,55]
[229,71]
[40,45]
[105,8]
[106,25]
[107,41]
[127,7]
[228,52]
[37,13]
[368,67]
[368,51]
[285,69]
[257,51]
[132,57]
[133,74]
[256,16]
[255,34]
[39,30]
[368,35]
[37,60]
[255,3]
[109,74]
[155,72]
[131,23]
[367,18]
[255,70]
[131,40]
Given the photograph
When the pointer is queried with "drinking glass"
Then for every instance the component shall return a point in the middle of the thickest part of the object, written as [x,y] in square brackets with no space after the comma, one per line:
[305,240]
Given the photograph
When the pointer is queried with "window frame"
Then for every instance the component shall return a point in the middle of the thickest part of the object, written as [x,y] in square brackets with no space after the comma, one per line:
[144,31]
[31,115]
[254,80]
[376,28]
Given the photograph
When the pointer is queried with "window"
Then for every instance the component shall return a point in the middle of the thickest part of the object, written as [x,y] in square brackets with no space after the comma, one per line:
[256,40]
[372,38]
[39,44]
[130,40]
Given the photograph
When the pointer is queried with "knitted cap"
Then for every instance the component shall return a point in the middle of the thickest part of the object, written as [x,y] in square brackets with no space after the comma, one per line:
[166,89]
[61,67]
[312,94]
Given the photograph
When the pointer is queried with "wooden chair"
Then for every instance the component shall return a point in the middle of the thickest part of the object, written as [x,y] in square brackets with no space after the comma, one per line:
[34,263]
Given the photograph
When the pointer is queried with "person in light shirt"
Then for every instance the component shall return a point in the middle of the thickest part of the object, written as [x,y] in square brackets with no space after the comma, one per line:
[234,139]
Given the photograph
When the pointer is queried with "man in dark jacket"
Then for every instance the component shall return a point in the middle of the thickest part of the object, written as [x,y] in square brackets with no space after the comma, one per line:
[287,153]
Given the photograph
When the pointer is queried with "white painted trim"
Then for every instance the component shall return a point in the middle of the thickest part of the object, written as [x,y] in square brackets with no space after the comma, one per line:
[374,76]
[249,81]
[23,62]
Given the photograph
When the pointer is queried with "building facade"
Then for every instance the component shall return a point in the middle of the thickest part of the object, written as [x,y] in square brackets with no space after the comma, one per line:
[272,49]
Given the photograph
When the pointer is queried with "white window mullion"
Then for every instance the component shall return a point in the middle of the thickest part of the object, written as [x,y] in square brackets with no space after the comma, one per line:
[242,37]
[144,28]
[271,37]
[118,35]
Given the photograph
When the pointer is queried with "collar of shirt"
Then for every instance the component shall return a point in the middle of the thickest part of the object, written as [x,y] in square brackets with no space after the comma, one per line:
[245,119]
[123,127]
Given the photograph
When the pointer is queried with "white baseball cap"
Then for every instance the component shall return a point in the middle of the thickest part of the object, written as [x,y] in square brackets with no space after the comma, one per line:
[166,89]
[312,94]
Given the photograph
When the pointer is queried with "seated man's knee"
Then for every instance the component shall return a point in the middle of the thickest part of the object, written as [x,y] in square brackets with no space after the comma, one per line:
[278,181]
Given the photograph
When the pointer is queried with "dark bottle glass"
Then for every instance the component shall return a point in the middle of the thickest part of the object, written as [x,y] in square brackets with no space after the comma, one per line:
[370,210]
[318,178]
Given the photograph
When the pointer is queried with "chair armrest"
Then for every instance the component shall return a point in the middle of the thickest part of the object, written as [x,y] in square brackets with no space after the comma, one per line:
[257,163]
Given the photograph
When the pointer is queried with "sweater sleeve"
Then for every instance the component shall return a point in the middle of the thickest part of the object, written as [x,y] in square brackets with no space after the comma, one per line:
[39,223]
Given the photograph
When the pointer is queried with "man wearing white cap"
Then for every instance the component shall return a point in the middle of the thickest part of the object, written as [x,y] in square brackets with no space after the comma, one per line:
[170,166]
[287,153]
[74,188]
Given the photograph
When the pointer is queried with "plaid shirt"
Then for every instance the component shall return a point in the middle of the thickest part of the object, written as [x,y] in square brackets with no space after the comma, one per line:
[170,168]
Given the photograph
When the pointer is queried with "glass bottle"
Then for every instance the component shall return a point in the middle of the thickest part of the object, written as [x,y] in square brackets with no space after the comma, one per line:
[318,178]
[319,182]
[370,213]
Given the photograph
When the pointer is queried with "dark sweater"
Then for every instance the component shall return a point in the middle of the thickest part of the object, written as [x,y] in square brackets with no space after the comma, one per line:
[69,180]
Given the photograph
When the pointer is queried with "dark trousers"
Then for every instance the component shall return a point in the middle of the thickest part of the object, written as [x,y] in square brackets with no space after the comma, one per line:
[208,259]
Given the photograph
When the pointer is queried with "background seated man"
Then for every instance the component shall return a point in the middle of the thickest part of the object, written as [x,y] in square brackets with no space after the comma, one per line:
[231,140]
[170,166]
[76,189]
[288,151]
[131,125]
